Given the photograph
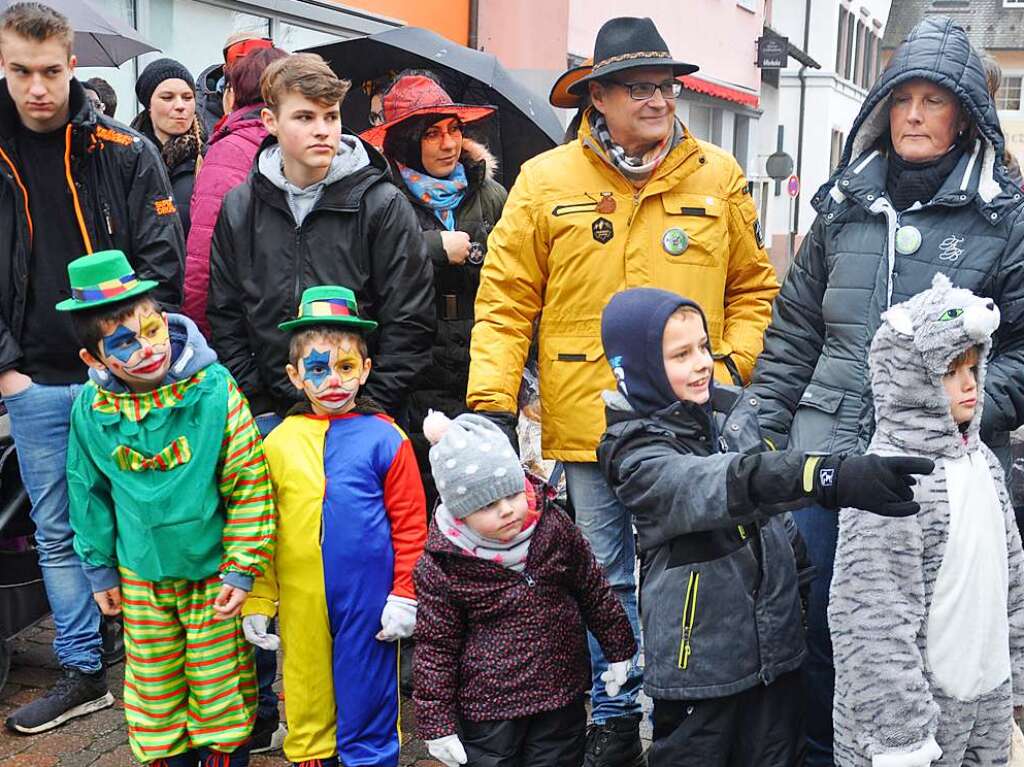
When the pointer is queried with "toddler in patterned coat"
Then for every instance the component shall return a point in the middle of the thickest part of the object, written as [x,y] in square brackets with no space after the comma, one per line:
[507,589]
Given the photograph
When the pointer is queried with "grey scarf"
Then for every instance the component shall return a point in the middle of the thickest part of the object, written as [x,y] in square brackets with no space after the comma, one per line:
[635,169]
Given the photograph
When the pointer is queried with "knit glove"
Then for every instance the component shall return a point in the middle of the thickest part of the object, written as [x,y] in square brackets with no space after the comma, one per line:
[875,483]
[255,629]
[398,620]
[447,750]
[615,677]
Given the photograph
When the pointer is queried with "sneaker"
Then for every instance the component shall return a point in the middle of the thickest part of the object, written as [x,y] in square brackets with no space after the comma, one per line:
[112,633]
[616,743]
[267,735]
[75,694]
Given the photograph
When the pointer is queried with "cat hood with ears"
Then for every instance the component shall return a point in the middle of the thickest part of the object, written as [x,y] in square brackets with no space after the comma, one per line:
[910,353]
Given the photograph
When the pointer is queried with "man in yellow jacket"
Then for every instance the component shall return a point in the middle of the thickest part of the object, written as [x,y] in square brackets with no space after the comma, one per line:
[635,200]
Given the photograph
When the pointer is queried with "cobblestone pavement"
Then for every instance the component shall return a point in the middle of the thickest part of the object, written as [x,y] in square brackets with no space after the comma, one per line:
[100,739]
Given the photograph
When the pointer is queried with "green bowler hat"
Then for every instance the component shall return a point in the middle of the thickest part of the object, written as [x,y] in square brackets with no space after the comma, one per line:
[328,305]
[102,278]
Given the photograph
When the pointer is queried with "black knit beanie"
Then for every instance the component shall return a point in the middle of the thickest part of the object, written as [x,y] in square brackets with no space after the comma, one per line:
[155,73]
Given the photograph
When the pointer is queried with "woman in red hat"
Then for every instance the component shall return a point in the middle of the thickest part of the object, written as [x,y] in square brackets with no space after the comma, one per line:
[450,181]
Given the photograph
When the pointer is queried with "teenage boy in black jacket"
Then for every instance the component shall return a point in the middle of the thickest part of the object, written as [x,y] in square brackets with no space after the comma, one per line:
[317,209]
[72,181]
[722,631]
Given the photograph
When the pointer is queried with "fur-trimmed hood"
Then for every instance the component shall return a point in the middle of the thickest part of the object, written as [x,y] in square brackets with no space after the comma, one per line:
[910,354]
[938,50]
[475,153]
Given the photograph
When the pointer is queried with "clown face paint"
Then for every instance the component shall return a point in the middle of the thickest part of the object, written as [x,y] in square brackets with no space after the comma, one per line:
[330,375]
[137,350]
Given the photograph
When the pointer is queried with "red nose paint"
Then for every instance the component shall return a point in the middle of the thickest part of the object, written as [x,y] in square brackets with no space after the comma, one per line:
[147,352]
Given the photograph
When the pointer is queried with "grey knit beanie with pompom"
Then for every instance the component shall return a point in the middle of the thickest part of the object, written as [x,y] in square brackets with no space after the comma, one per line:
[472,462]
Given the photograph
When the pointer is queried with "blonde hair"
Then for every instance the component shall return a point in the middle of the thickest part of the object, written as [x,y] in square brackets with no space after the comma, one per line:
[304,73]
[37,22]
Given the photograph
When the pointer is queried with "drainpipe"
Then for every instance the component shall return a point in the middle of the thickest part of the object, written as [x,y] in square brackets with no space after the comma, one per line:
[474,23]
[800,127]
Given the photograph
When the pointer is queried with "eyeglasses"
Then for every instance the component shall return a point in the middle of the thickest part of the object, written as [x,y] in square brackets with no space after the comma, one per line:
[670,89]
[434,134]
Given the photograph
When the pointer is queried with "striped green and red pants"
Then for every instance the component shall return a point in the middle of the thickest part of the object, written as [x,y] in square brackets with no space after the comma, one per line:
[189,680]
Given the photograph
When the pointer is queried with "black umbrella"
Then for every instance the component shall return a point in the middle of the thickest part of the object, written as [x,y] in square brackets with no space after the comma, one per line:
[99,41]
[525,125]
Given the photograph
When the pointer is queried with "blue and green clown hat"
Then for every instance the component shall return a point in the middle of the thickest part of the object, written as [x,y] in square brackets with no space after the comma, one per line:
[329,305]
[102,278]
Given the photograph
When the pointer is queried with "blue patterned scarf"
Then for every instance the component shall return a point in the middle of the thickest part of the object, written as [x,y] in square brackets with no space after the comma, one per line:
[442,195]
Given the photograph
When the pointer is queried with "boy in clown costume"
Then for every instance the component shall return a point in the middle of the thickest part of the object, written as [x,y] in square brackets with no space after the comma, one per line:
[171,506]
[351,526]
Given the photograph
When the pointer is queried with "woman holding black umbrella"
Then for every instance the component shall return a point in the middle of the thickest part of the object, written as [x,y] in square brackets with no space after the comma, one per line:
[449,179]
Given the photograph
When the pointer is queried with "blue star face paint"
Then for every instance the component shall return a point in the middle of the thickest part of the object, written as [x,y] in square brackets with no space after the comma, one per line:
[330,374]
[121,344]
[138,349]
[316,366]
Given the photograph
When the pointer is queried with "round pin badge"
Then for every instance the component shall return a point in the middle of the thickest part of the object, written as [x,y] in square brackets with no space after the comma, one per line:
[908,240]
[675,241]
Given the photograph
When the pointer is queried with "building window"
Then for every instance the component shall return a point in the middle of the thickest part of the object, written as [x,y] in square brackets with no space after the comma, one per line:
[750,5]
[850,44]
[858,57]
[841,41]
[1013,3]
[836,150]
[1008,96]
[741,140]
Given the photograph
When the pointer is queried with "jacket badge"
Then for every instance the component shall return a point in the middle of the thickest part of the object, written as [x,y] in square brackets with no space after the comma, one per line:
[908,240]
[165,206]
[602,230]
[949,248]
[675,241]
[606,204]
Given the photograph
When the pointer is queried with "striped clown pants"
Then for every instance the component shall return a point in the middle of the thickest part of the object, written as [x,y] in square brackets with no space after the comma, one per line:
[189,680]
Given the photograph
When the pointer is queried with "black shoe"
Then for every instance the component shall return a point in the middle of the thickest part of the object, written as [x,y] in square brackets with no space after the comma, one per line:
[329,762]
[75,694]
[267,735]
[112,633]
[187,759]
[616,743]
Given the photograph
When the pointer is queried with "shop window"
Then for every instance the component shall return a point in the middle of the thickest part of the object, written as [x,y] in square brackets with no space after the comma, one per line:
[1009,95]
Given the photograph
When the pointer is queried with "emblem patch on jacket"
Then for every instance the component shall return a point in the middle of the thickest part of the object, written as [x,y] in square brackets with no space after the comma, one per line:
[758,233]
[165,206]
[602,230]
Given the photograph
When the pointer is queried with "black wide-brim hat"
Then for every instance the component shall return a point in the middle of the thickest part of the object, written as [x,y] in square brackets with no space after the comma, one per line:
[626,43]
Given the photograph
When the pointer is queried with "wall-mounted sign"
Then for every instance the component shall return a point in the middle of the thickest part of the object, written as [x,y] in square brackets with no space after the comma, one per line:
[772,52]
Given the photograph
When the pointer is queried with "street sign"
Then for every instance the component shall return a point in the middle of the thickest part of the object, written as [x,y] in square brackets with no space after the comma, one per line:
[779,165]
[772,52]
[793,186]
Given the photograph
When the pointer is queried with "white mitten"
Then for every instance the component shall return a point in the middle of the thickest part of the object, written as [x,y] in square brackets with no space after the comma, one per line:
[615,677]
[398,620]
[447,750]
[255,629]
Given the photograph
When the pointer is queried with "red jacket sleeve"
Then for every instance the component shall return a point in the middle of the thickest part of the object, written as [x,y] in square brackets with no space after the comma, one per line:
[406,506]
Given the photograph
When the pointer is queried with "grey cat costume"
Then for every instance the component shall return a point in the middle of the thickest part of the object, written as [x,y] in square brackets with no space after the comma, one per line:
[927,612]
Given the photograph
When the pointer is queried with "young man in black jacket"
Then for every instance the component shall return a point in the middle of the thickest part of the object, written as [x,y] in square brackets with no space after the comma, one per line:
[723,640]
[318,208]
[71,182]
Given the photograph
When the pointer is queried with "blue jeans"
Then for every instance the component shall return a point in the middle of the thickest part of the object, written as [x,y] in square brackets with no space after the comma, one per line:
[40,422]
[608,528]
[266,660]
[820,529]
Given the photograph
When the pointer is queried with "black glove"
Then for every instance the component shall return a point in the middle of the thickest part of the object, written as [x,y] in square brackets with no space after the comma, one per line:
[507,422]
[871,482]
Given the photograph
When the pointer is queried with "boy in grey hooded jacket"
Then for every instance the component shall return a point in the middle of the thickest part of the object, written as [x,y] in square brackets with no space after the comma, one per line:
[927,612]
[720,606]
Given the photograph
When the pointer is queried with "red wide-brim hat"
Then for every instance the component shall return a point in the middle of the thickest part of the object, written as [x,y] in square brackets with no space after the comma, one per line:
[415,95]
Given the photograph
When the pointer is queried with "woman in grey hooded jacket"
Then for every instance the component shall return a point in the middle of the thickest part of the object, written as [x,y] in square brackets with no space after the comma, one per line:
[921,188]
